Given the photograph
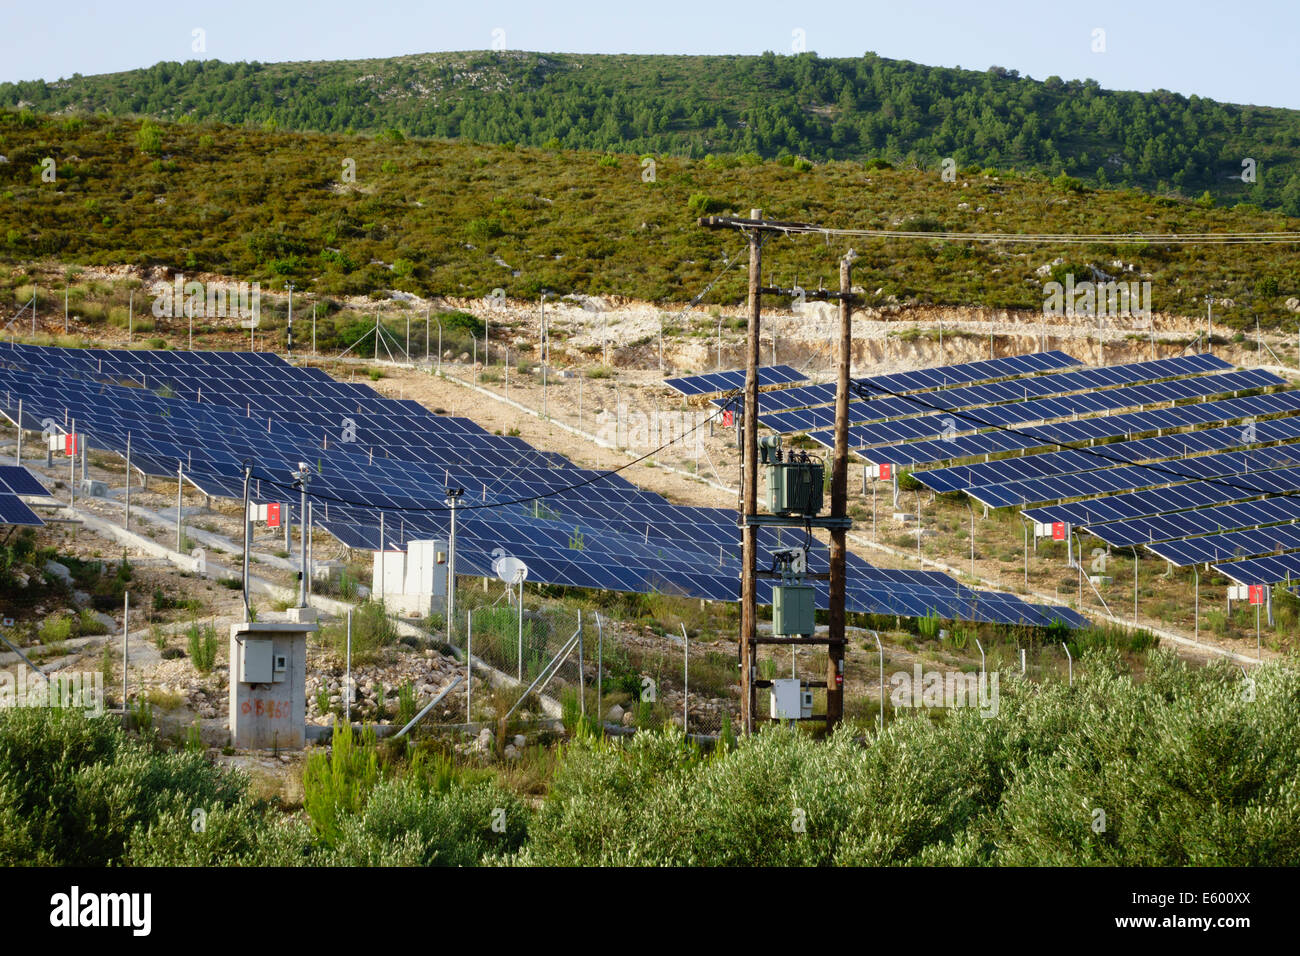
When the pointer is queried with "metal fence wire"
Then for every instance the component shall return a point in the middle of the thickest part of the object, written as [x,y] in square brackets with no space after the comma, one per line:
[590,667]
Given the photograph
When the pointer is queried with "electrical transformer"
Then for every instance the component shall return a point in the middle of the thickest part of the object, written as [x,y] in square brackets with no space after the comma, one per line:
[793,610]
[795,485]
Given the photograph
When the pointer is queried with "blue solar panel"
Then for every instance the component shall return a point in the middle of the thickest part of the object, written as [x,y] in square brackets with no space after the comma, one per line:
[710,382]
[14,511]
[20,481]
[1021,390]
[1238,467]
[1273,569]
[1192,494]
[1181,524]
[1180,445]
[953,423]
[924,379]
[1026,437]
[1229,545]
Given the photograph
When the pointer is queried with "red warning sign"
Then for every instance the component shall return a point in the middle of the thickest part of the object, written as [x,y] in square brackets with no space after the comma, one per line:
[886,470]
[728,418]
[273,515]
[70,446]
[1257,594]
[1058,530]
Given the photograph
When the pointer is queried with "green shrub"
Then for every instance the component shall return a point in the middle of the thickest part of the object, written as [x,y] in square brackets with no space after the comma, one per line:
[405,824]
[340,782]
[73,789]
[372,631]
[56,628]
[203,646]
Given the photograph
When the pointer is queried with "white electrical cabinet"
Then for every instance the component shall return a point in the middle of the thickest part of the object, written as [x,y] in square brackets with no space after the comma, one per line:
[256,666]
[791,700]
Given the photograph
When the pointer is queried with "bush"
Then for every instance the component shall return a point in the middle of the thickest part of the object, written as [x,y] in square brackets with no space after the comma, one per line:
[405,824]
[73,789]
[372,631]
[1187,767]
[203,646]
[56,628]
[340,782]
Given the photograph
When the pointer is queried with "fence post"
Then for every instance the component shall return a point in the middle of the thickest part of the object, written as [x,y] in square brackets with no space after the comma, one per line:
[600,674]
[582,680]
[686,682]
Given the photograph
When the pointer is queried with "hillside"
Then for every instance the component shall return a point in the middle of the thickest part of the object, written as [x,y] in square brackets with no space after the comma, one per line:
[768,105]
[458,219]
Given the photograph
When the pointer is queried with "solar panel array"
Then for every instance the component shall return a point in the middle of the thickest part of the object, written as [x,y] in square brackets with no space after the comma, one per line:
[1273,569]
[921,380]
[382,466]
[895,411]
[961,477]
[1210,520]
[1028,437]
[14,481]
[1243,465]
[711,382]
[1207,481]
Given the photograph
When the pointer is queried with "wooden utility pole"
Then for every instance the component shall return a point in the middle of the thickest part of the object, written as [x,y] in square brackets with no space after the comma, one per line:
[839,503]
[749,489]
[750,520]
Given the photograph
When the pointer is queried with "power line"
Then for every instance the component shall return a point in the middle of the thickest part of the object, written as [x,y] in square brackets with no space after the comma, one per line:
[1210,238]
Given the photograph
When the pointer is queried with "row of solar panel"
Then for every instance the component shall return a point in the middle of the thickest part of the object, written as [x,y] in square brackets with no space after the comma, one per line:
[1198,521]
[711,382]
[1182,444]
[1027,437]
[17,480]
[1048,409]
[1229,545]
[1242,465]
[14,481]
[1142,504]
[878,404]
[14,511]
[101,410]
[1273,569]
[946,376]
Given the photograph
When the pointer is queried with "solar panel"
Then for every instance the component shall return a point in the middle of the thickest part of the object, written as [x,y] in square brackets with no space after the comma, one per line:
[20,481]
[957,422]
[1180,445]
[1239,467]
[711,382]
[1273,569]
[879,402]
[1193,494]
[14,511]
[1229,545]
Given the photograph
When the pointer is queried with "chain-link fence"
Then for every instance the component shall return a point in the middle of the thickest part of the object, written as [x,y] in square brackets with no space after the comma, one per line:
[610,672]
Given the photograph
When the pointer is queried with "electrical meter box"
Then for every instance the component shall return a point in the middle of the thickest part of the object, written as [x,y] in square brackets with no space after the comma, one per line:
[793,610]
[795,487]
[790,700]
[255,665]
[268,684]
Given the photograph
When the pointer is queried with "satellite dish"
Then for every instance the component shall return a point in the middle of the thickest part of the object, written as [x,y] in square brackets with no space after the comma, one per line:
[510,570]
